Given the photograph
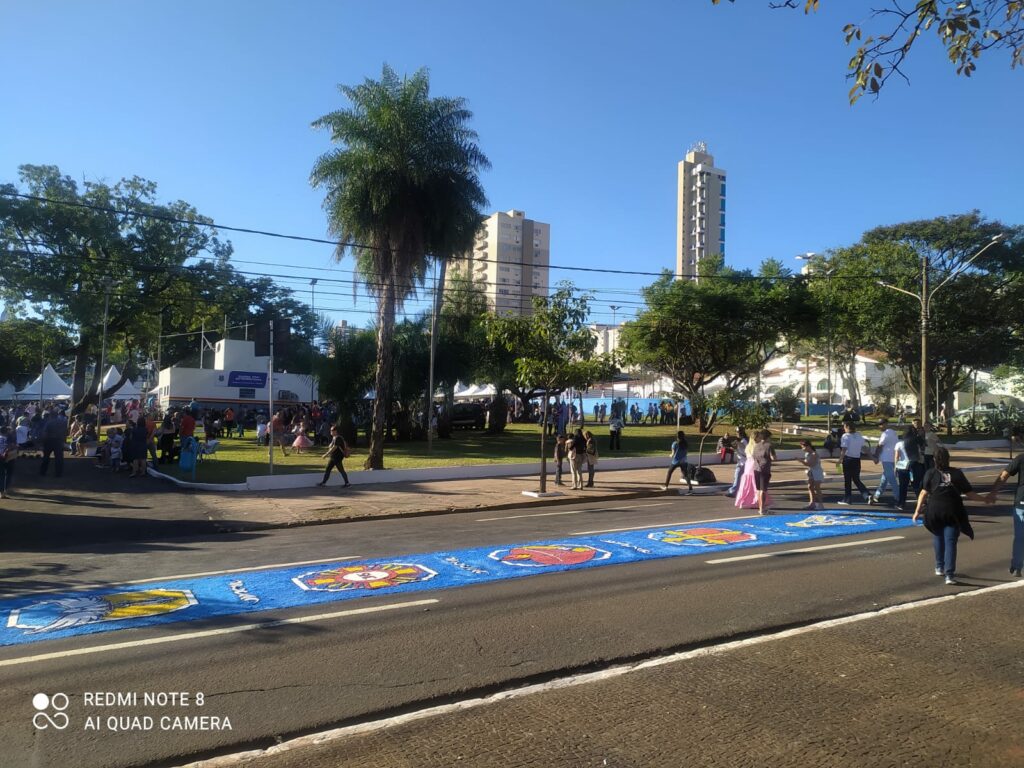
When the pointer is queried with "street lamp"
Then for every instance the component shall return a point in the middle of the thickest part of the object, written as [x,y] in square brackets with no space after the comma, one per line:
[312,357]
[925,298]
[828,316]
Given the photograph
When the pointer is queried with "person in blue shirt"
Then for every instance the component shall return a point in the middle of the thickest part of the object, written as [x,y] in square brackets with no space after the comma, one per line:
[679,450]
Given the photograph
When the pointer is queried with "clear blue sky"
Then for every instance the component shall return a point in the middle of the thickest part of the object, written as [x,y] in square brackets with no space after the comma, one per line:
[584,109]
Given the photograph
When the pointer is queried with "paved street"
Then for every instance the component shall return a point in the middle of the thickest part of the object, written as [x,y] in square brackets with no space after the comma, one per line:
[305,669]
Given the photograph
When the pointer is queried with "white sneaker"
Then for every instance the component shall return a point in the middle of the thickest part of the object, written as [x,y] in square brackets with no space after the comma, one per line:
[939,572]
[951,581]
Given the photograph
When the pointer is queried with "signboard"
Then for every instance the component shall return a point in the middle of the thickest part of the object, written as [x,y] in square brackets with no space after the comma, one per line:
[250,379]
[246,394]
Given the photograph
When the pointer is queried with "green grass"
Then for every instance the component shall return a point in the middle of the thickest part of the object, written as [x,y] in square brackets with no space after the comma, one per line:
[237,459]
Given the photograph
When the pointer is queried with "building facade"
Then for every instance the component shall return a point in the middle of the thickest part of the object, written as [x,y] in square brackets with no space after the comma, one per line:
[700,211]
[509,262]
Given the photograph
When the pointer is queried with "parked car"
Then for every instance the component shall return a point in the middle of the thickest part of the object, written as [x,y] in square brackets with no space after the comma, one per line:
[468,416]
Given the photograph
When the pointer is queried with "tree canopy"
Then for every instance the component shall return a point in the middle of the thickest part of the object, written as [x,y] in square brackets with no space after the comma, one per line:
[965,28]
[401,185]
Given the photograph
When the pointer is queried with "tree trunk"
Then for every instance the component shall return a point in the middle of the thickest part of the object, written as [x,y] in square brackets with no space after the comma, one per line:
[382,384]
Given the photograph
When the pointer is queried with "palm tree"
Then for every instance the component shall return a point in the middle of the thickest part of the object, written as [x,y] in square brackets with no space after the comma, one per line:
[402,186]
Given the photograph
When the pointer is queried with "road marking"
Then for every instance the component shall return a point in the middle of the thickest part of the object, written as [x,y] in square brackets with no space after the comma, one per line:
[180,576]
[210,633]
[572,512]
[539,514]
[662,525]
[803,549]
[337,734]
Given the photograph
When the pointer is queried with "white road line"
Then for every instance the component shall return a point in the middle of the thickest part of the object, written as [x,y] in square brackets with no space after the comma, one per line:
[179,576]
[571,512]
[209,633]
[337,734]
[538,514]
[661,525]
[763,555]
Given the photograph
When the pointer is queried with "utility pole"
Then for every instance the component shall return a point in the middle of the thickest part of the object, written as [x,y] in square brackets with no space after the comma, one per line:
[103,347]
[202,343]
[270,387]
[312,358]
[925,301]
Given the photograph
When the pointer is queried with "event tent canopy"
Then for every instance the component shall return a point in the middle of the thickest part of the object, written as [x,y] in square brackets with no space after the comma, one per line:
[127,392]
[7,391]
[48,386]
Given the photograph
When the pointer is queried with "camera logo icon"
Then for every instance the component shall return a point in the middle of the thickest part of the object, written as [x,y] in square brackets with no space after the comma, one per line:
[50,711]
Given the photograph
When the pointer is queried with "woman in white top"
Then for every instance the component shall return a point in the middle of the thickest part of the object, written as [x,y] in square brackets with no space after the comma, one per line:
[815,474]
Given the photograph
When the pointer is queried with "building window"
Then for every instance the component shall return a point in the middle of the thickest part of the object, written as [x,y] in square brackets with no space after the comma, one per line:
[721,206]
[721,235]
[723,187]
[721,221]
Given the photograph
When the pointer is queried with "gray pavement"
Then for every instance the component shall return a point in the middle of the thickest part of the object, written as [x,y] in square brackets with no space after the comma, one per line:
[936,685]
[90,505]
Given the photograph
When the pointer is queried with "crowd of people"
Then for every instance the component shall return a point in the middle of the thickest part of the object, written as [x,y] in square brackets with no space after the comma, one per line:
[132,437]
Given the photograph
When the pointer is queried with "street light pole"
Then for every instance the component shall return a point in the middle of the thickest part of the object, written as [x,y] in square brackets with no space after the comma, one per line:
[312,357]
[925,298]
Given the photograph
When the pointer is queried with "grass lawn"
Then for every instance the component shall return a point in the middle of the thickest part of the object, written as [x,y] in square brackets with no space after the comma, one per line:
[237,459]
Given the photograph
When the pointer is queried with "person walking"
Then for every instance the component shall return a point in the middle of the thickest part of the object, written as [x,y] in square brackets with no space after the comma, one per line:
[54,435]
[591,454]
[1014,469]
[8,453]
[902,464]
[679,454]
[577,451]
[559,457]
[138,439]
[615,431]
[742,441]
[815,474]
[885,453]
[336,454]
[763,455]
[931,442]
[945,516]
[851,446]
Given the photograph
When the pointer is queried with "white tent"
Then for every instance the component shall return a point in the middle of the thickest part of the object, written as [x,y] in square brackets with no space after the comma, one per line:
[127,392]
[53,387]
[7,391]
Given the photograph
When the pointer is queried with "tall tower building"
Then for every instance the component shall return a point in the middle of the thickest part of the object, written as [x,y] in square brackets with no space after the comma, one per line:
[510,261]
[700,211]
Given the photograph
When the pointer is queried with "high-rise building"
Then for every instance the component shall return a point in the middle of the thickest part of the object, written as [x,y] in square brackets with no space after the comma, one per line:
[510,260]
[700,211]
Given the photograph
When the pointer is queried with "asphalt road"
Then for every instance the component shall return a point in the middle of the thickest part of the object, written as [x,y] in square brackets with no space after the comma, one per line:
[350,665]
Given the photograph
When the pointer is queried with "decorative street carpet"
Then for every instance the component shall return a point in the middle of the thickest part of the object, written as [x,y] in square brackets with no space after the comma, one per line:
[38,617]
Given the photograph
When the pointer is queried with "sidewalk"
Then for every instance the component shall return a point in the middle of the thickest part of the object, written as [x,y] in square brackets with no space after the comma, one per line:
[93,503]
[934,685]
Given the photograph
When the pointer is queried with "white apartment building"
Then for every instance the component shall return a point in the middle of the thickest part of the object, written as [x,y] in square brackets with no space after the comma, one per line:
[700,211]
[510,261]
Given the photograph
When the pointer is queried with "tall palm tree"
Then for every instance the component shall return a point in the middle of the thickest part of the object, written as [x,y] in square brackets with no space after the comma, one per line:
[402,184]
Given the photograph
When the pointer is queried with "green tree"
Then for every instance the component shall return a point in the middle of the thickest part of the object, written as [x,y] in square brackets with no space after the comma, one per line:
[965,28]
[61,244]
[721,328]
[402,184]
[974,318]
[346,374]
[25,345]
[555,350]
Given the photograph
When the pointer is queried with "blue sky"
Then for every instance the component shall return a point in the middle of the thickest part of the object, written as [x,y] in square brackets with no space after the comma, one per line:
[584,108]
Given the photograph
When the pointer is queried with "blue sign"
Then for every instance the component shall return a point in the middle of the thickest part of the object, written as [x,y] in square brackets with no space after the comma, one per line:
[247,379]
[37,617]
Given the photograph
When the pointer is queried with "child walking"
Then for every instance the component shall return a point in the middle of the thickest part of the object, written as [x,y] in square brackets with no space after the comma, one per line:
[815,474]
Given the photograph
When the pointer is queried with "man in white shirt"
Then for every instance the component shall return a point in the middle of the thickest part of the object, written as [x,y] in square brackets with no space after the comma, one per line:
[851,448]
[885,452]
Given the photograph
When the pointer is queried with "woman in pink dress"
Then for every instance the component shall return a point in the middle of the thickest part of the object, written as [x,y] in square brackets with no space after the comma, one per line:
[746,495]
